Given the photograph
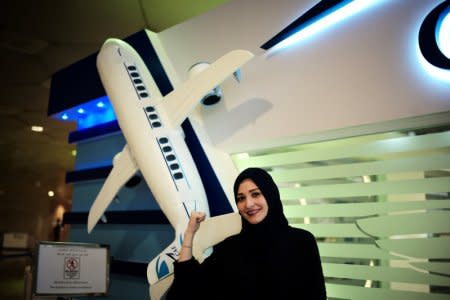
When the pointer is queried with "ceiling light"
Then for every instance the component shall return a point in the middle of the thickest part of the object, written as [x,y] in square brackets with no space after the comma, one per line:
[37,128]
[74,152]
[51,193]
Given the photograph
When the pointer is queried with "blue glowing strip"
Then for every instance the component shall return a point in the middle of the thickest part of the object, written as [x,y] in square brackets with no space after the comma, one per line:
[89,114]
[323,15]
[318,11]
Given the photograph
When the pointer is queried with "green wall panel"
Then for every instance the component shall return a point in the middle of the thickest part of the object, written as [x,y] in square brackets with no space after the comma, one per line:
[361,209]
[435,248]
[436,185]
[433,162]
[360,293]
[377,148]
[379,206]
[436,267]
[332,230]
[426,222]
[353,250]
[382,274]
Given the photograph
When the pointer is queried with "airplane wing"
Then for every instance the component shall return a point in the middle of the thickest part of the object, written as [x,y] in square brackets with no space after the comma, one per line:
[180,102]
[124,167]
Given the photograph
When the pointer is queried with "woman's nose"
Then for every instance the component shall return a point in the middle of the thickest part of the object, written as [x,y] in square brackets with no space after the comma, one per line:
[249,202]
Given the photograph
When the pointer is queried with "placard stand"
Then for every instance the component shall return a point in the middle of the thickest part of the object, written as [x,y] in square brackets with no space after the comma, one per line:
[65,270]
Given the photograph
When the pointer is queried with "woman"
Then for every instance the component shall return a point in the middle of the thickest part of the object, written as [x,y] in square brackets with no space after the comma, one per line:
[268,259]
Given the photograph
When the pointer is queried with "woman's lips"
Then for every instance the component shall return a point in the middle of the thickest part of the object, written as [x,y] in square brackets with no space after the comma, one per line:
[252,212]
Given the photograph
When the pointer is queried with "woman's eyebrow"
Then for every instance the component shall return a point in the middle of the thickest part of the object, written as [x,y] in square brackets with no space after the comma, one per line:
[254,190]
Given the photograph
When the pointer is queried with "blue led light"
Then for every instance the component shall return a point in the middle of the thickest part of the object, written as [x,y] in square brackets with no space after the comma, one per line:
[89,114]
[339,14]
[443,33]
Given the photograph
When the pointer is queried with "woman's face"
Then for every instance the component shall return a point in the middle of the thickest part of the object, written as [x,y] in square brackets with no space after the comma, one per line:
[251,202]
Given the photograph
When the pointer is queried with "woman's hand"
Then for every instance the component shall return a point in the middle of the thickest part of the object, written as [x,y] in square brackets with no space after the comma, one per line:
[194,224]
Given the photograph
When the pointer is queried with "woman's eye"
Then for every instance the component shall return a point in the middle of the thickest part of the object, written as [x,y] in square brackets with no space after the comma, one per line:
[240,199]
[256,194]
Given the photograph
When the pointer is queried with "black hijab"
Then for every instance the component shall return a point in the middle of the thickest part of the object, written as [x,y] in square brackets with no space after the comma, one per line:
[275,219]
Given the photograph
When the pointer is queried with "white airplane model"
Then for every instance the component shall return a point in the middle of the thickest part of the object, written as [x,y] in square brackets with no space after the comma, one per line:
[155,142]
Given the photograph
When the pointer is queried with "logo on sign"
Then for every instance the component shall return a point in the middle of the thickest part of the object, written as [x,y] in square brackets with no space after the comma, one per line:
[72,267]
[434,36]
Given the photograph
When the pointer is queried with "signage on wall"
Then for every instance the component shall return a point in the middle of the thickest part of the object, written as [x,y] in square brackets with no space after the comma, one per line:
[434,36]
[77,269]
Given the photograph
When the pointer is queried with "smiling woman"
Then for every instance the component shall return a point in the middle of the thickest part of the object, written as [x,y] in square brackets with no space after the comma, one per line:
[268,259]
[251,202]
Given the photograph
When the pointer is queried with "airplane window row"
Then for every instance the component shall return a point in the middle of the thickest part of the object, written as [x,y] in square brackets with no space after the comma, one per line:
[153,117]
[170,158]
[137,81]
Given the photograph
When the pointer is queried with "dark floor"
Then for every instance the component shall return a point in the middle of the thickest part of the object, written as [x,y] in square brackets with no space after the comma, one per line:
[12,277]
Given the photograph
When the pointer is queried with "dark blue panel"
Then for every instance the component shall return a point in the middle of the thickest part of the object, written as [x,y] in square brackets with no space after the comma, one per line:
[93,132]
[143,46]
[217,200]
[120,217]
[132,268]
[80,82]
[88,174]
[75,84]
[318,11]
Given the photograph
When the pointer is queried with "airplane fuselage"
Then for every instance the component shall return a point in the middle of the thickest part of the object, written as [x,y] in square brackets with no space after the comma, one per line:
[159,150]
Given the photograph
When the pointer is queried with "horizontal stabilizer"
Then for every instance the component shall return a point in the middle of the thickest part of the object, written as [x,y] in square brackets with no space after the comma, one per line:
[124,167]
[214,230]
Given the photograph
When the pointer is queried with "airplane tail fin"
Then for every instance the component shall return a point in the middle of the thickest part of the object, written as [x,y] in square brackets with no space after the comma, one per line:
[162,265]
[159,289]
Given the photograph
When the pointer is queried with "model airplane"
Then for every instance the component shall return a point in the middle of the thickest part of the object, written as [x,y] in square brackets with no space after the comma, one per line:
[150,124]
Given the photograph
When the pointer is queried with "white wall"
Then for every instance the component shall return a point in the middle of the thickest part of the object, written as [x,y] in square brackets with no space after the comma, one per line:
[360,71]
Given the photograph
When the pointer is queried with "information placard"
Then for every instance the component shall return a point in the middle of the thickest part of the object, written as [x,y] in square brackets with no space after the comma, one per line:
[71,269]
